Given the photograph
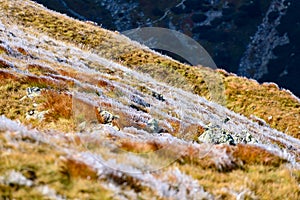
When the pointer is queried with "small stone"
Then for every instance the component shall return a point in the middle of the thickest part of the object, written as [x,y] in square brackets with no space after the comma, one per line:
[108,117]
[158,96]
[226,120]
[17,178]
[35,105]
[270,118]
[152,125]
[140,101]
[33,114]
[33,92]
[105,117]
[82,126]
[215,134]
[250,139]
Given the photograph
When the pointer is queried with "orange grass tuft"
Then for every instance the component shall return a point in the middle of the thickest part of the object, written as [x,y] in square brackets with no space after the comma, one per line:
[3,50]
[76,169]
[254,155]
[22,51]
[5,64]
[40,69]
[139,147]
[58,104]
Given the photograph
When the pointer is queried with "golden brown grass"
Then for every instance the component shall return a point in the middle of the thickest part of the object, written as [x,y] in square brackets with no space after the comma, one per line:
[3,50]
[264,174]
[264,182]
[4,64]
[139,147]
[248,97]
[22,51]
[11,91]
[58,104]
[40,70]
[42,164]
[75,169]
[254,155]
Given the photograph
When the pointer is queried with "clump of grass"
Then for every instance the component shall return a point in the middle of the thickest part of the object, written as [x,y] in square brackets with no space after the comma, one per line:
[127,181]
[8,76]
[40,70]
[5,64]
[22,51]
[44,82]
[192,132]
[74,169]
[71,184]
[191,156]
[139,147]
[254,155]
[59,105]
[3,50]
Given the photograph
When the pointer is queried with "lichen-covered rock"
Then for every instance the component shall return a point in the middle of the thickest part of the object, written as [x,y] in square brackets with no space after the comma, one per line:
[158,96]
[152,125]
[15,178]
[34,114]
[31,92]
[215,134]
[245,138]
[105,117]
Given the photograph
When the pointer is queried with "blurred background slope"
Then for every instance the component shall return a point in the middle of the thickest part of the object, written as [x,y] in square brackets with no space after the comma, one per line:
[253,38]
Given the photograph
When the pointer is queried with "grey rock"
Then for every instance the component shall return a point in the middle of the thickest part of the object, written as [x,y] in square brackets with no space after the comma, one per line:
[108,117]
[34,114]
[152,125]
[16,178]
[33,92]
[215,134]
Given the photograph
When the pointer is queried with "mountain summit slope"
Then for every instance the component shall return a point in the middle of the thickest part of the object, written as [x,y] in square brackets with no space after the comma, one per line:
[88,114]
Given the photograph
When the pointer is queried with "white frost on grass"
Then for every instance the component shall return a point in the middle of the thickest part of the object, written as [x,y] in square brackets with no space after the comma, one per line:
[172,183]
[15,178]
[49,192]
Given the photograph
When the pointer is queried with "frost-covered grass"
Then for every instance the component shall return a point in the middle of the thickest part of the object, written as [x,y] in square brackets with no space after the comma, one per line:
[240,95]
[154,152]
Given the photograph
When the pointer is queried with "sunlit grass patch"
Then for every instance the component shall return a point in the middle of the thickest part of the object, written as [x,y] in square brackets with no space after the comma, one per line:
[278,108]
[263,182]
[40,70]
[42,164]
[75,169]
[255,155]
[58,104]
[3,50]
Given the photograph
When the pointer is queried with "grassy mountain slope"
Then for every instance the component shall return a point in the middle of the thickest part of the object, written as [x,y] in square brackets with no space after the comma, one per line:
[241,95]
[113,119]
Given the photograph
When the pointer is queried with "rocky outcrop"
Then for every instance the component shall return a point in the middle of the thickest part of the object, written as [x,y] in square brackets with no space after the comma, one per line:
[214,134]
